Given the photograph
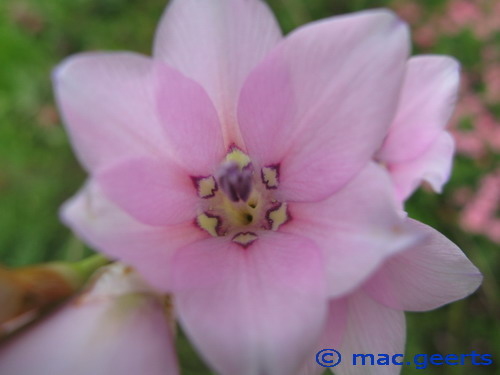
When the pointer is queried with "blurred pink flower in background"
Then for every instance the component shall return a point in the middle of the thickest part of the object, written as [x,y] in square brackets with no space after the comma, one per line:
[481,212]
[470,108]
[479,16]
[425,36]
[492,81]
[486,24]
[464,13]
[489,128]
[409,11]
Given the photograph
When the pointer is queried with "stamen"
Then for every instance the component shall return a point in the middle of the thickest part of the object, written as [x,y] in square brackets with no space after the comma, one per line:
[237,156]
[205,186]
[277,216]
[245,239]
[235,182]
[210,223]
[270,176]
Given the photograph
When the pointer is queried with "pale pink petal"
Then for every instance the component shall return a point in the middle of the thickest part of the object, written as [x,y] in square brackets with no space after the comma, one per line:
[371,328]
[321,103]
[427,103]
[96,334]
[217,43]
[426,276]
[333,332]
[251,311]
[190,122]
[119,106]
[108,104]
[433,165]
[357,228]
[107,228]
[154,192]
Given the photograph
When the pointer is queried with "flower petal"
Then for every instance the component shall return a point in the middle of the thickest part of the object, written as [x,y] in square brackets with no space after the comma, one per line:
[333,332]
[119,106]
[217,43]
[426,276]
[190,121]
[108,104]
[108,229]
[371,328]
[155,193]
[356,228]
[427,102]
[433,165]
[251,311]
[119,334]
[321,102]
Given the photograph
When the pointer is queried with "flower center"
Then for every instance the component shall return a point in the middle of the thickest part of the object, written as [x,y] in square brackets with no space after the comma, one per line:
[239,202]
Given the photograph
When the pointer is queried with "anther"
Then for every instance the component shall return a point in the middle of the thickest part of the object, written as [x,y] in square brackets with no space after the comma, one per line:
[210,223]
[245,239]
[277,216]
[271,176]
[206,187]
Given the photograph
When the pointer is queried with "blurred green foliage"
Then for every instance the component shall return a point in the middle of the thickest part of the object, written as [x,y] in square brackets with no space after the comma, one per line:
[38,170]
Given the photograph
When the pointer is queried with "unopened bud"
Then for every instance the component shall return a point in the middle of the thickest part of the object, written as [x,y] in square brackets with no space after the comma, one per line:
[27,292]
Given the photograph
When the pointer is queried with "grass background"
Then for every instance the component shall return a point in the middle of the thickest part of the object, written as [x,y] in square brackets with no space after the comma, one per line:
[38,170]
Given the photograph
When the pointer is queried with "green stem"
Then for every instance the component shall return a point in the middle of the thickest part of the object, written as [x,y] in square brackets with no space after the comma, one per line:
[85,268]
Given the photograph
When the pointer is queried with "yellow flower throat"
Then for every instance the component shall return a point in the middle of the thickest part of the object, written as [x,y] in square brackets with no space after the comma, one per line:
[238,202]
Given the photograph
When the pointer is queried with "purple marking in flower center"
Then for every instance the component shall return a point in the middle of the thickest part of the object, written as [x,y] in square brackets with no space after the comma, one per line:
[235,182]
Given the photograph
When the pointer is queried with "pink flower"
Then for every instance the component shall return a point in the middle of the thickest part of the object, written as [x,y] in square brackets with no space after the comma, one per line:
[464,13]
[490,54]
[234,169]
[411,12]
[425,36]
[485,131]
[489,130]
[418,147]
[492,80]
[479,214]
[118,326]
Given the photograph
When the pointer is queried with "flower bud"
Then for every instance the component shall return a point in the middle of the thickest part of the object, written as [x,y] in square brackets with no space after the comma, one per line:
[27,292]
[117,325]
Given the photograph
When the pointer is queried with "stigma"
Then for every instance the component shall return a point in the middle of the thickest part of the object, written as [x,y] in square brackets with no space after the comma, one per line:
[234,181]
